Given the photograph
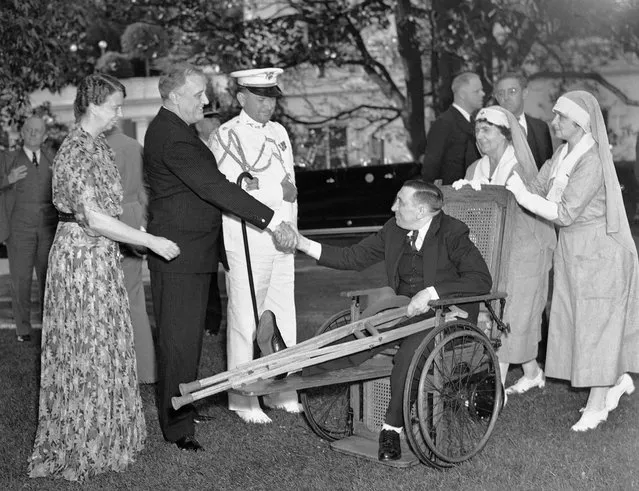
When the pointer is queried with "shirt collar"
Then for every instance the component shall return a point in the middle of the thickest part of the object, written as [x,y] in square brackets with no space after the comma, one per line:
[246,119]
[29,153]
[463,112]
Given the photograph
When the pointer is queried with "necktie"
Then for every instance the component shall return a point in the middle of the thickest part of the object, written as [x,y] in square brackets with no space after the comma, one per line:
[412,240]
[34,159]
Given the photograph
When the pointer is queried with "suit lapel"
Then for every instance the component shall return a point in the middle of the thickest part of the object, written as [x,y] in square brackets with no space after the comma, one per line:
[464,125]
[430,251]
[395,250]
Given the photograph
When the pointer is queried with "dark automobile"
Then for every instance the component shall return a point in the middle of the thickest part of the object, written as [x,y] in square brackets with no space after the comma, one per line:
[356,200]
[352,199]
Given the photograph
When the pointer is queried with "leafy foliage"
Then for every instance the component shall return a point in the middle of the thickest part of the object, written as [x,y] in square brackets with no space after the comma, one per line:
[115,64]
[145,41]
[37,37]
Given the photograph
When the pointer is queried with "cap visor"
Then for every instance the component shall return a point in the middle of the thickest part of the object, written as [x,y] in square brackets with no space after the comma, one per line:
[272,91]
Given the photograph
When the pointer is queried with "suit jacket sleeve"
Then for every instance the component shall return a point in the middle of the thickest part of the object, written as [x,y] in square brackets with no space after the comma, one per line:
[472,275]
[436,143]
[367,252]
[185,161]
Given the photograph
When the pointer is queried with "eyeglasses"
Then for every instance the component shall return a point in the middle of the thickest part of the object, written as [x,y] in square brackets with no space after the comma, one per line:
[500,94]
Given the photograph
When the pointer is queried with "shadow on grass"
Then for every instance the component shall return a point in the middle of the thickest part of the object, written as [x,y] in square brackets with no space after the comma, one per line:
[532,446]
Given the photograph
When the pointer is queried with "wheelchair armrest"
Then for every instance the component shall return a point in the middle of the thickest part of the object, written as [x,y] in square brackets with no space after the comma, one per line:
[443,302]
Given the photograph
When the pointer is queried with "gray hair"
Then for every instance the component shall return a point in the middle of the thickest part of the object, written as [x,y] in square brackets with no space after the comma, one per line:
[175,78]
[461,80]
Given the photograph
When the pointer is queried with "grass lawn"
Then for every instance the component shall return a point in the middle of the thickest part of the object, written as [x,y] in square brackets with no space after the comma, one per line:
[532,446]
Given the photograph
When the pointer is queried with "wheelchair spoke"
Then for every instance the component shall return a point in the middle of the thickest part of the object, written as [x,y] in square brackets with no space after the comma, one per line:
[457,396]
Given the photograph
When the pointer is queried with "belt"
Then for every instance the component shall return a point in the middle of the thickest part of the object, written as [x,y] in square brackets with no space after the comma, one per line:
[66,217]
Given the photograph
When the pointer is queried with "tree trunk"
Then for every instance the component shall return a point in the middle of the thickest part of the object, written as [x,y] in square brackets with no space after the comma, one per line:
[444,65]
[413,109]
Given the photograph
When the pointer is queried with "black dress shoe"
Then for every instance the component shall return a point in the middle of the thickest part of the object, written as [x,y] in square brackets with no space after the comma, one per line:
[189,443]
[202,418]
[23,338]
[269,338]
[389,446]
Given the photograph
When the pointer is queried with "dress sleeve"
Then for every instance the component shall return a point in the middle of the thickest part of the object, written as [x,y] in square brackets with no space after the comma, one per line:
[77,168]
[540,184]
[585,181]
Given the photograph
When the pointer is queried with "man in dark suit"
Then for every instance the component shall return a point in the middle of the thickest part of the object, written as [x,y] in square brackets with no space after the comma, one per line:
[187,194]
[436,258]
[450,143]
[510,93]
[28,219]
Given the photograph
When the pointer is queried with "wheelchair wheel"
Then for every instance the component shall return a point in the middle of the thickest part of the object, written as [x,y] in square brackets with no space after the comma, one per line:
[328,408]
[452,394]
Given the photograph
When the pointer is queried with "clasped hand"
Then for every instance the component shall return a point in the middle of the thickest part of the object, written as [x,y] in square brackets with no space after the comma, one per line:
[164,247]
[285,237]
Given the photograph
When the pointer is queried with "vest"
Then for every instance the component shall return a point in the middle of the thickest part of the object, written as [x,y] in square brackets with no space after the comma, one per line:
[411,272]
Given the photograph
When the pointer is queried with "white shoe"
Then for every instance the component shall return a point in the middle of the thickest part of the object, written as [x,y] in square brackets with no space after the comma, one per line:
[253,416]
[623,386]
[590,419]
[290,407]
[524,384]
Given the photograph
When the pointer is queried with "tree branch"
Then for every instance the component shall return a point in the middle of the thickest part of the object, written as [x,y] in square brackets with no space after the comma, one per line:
[597,77]
[343,114]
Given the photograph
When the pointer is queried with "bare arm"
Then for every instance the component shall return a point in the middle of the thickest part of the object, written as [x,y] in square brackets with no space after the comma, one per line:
[118,231]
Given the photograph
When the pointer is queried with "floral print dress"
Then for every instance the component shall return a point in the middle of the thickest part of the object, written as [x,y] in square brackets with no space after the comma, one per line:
[90,412]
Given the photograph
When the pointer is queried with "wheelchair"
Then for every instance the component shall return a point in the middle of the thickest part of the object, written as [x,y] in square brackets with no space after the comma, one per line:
[453,392]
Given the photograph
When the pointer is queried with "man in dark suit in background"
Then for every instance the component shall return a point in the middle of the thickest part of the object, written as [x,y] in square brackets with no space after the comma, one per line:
[510,92]
[187,194]
[450,143]
[28,219]
[428,255]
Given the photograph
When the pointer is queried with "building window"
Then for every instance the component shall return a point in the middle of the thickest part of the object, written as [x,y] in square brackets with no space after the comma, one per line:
[323,148]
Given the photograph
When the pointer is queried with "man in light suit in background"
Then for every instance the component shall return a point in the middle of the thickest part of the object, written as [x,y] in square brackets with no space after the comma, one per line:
[128,158]
[510,92]
[28,219]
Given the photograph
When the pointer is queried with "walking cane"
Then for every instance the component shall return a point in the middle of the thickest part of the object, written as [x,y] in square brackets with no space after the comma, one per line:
[269,330]
[240,178]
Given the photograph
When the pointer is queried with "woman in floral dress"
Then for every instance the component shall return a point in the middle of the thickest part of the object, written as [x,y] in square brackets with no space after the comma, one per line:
[90,411]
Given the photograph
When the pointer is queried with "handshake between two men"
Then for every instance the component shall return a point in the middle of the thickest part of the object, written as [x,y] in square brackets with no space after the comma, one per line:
[286,237]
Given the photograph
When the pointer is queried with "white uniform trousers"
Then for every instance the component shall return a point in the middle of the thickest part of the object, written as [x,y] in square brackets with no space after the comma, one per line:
[274,278]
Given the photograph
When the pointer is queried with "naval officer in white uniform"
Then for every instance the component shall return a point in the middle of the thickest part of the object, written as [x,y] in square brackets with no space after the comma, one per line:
[251,142]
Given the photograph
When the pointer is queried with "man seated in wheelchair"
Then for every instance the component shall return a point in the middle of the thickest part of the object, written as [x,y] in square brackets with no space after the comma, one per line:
[428,255]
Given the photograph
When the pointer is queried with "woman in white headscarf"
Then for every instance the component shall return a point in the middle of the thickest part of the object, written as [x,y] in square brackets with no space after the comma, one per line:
[505,150]
[593,335]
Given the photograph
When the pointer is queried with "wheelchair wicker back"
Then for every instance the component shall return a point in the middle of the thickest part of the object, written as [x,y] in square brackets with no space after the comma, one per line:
[489,214]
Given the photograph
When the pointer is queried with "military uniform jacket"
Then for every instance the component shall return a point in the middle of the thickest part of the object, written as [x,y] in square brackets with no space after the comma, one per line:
[264,150]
